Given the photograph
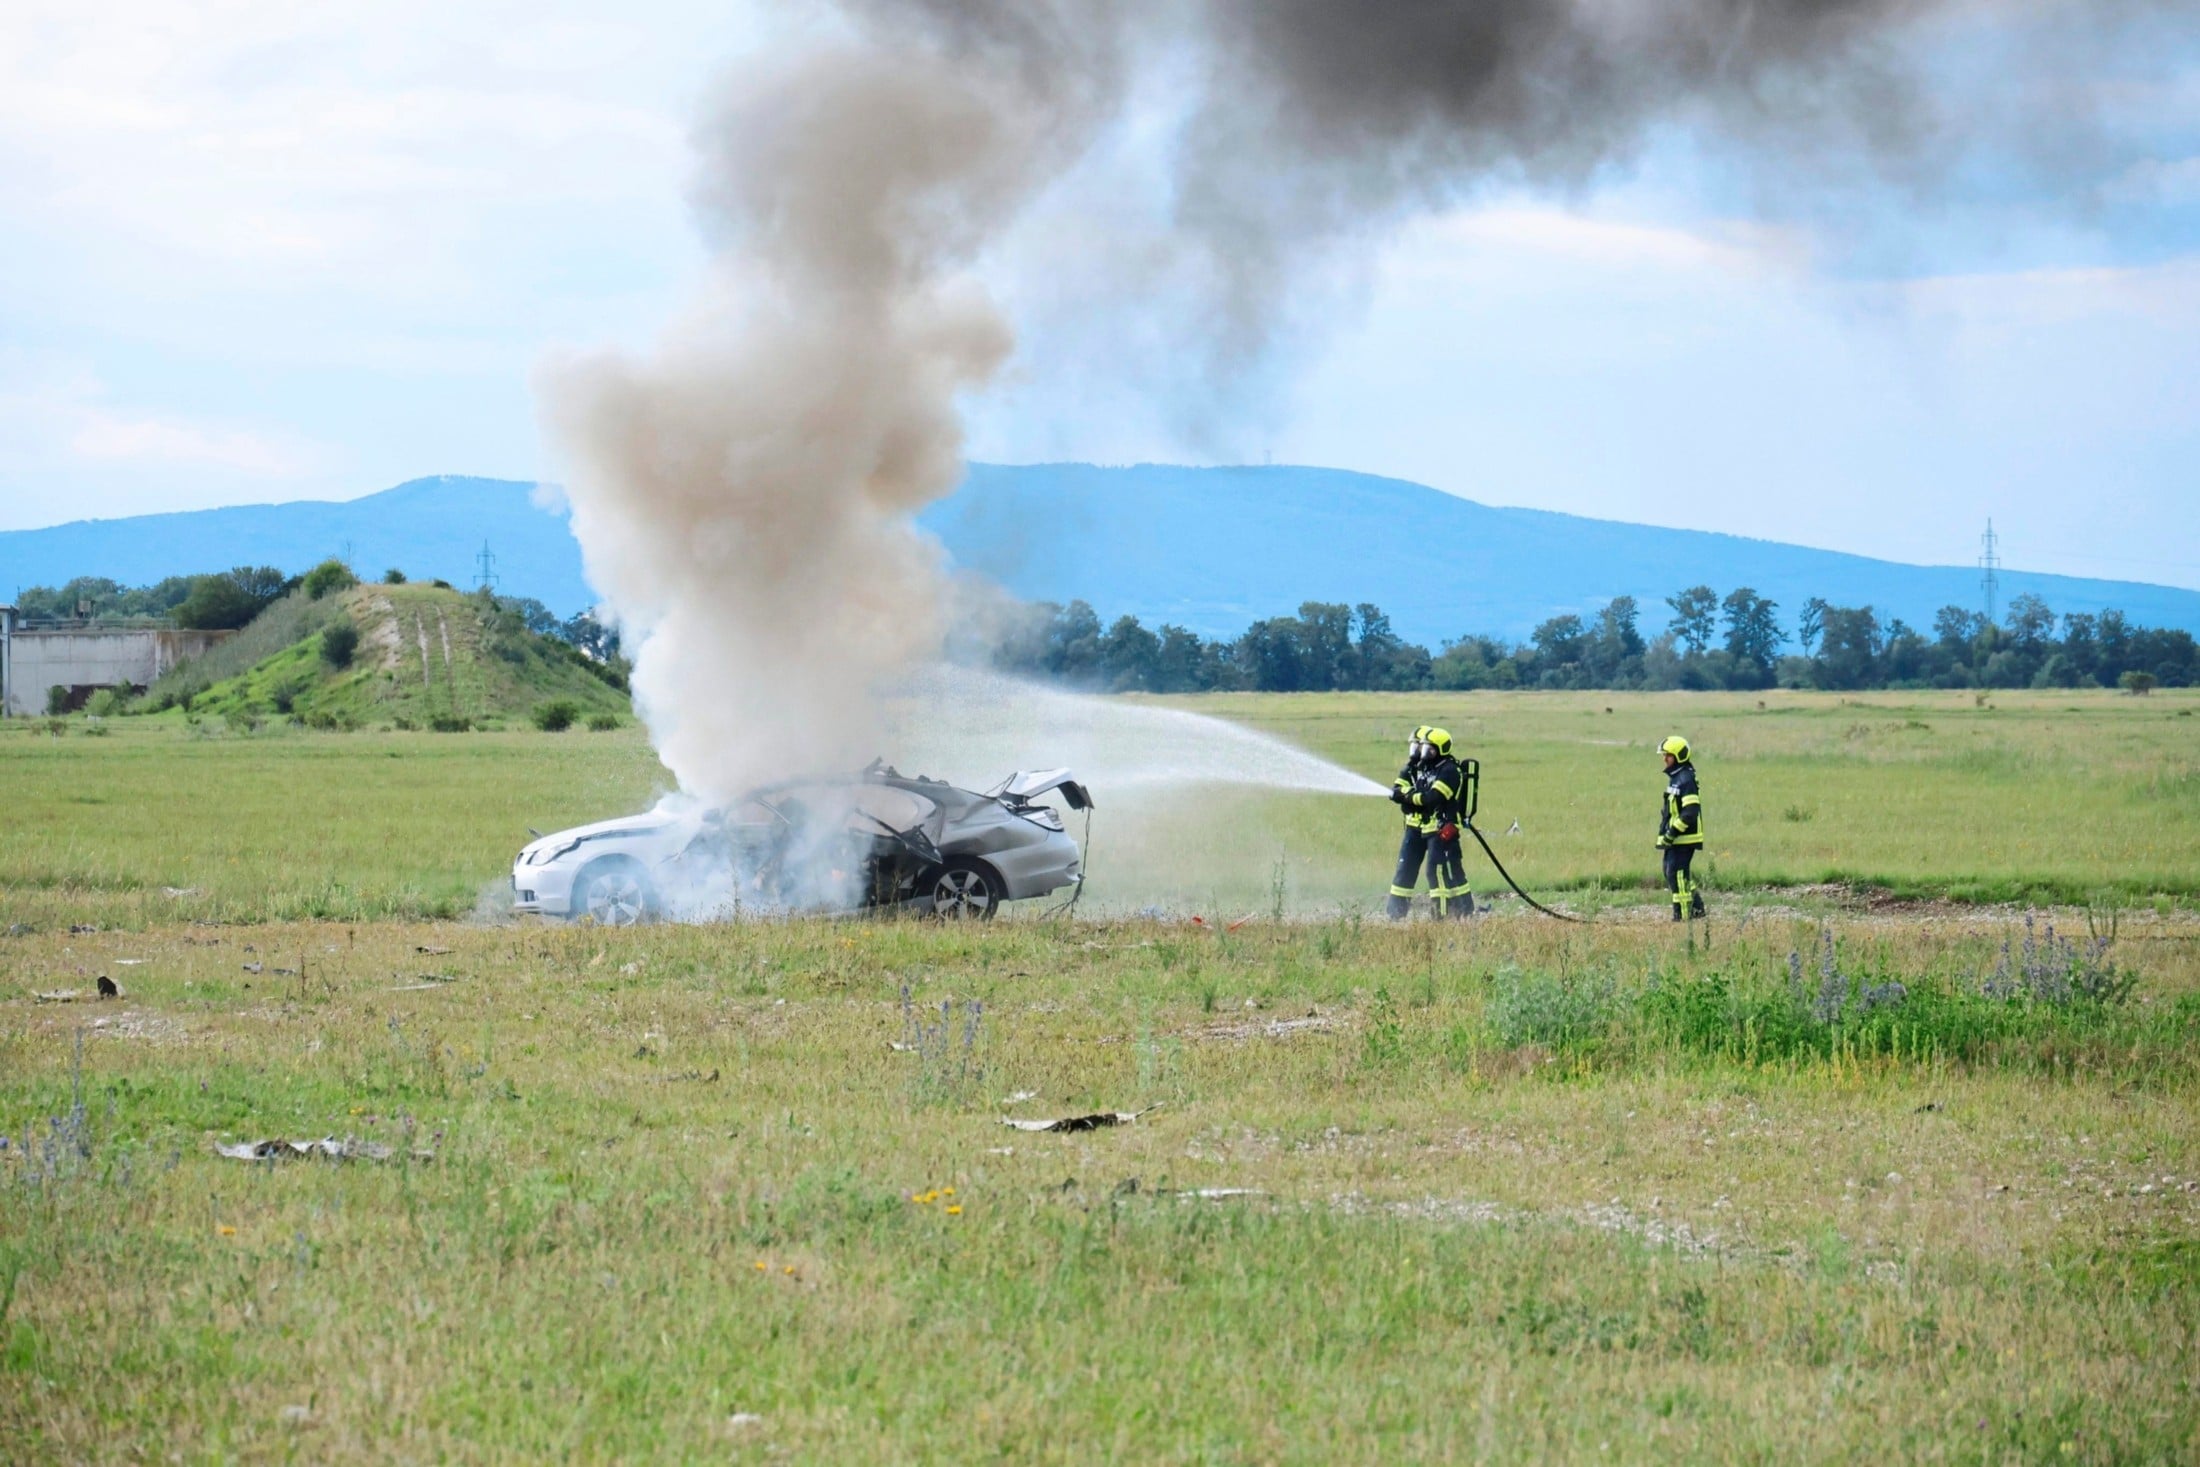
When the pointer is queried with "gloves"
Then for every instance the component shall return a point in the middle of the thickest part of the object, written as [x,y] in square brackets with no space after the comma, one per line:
[1397,795]
[1664,841]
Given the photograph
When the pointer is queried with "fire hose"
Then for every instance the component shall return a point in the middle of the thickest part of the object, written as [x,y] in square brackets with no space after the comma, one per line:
[1500,865]
[1470,771]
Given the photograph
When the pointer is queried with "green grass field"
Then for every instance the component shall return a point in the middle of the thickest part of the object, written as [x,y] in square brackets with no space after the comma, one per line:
[2046,797]
[1836,1177]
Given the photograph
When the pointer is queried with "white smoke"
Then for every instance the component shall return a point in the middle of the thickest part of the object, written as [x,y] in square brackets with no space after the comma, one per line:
[744,496]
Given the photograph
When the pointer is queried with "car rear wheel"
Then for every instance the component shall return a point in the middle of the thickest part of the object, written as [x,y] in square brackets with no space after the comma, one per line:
[964,890]
[614,894]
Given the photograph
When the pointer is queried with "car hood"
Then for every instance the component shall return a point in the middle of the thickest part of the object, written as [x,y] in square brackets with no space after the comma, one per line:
[649,823]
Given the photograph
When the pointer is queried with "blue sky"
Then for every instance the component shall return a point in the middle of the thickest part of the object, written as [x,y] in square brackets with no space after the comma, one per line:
[258,251]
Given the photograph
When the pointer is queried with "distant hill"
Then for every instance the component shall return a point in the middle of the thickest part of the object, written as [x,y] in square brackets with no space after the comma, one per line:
[1211,549]
[423,654]
[430,529]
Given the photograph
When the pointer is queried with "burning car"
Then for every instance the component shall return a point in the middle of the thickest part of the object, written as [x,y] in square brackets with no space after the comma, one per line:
[878,838]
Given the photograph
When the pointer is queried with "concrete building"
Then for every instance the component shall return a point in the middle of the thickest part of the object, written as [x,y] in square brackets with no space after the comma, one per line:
[84,659]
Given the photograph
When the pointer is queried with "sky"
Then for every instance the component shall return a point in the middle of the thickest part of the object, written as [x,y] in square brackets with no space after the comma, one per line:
[260,251]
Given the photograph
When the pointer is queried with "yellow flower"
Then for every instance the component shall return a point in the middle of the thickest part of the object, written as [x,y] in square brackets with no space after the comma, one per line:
[760,1265]
[227,1231]
[788,1270]
[954,1209]
[947,1191]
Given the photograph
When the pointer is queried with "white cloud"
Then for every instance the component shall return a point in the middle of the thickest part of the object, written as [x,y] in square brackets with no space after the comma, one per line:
[105,437]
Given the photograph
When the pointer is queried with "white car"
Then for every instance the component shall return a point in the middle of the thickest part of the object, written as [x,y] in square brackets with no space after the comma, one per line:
[875,839]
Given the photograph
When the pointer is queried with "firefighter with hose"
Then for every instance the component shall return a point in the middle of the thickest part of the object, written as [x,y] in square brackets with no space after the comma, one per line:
[1680,828]
[1431,790]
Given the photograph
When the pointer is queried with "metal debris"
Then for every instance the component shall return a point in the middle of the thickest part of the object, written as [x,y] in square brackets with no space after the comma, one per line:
[107,988]
[1098,1120]
[59,995]
[330,1147]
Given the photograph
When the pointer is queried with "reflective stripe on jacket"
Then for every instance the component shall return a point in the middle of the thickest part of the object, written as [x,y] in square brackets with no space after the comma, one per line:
[1680,818]
[1433,794]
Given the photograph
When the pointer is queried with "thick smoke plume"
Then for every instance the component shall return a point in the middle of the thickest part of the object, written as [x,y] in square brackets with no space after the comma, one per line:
[745,495]
[744,498]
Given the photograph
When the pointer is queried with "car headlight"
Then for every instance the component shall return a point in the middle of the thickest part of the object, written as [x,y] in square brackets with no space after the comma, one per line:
[544,855]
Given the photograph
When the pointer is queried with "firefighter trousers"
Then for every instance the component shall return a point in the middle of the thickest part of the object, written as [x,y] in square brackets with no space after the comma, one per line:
[1447,874]
[1687,899]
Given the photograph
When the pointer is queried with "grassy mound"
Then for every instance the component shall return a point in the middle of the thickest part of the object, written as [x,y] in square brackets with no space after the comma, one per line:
[421,657]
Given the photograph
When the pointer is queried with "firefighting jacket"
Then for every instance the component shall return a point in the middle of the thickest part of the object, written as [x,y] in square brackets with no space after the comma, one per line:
[1680,817]
[1432,793]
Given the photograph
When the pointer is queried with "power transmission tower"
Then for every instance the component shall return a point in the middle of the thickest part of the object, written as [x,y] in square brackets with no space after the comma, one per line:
[485,574]
[1989,565]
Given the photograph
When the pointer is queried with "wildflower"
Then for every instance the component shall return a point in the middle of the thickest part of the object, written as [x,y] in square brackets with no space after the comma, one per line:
[226,1231]
[954,1209]
[761,1267]
[947,1191]
[788,1270]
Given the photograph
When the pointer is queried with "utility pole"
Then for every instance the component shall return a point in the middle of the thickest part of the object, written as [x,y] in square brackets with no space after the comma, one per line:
[485,574]
[1990,569]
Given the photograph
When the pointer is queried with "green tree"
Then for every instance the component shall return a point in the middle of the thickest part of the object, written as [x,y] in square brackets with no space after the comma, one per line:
[1849,648]
[329,576]
[1811,625]
[1693,611]
[231,599]
[1130,656]
[1753,634]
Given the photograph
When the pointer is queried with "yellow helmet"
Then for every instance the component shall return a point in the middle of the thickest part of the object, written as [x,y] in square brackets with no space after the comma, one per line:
[1677,747]
[1437,739]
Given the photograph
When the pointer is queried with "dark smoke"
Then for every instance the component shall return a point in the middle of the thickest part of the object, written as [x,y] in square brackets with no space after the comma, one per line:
[746,495]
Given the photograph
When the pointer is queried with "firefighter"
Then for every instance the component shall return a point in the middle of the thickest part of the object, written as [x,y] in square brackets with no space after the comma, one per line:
[1680,828]
[1432,793]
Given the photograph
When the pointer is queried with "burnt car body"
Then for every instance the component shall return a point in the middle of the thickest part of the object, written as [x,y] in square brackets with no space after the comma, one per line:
[878,839]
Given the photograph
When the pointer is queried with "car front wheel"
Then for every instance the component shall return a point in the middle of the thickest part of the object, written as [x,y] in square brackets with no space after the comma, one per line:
[964,890]
[614,894]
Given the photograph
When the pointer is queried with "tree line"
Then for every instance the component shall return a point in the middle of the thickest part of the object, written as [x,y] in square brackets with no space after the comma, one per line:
[1737,641]
[233,599]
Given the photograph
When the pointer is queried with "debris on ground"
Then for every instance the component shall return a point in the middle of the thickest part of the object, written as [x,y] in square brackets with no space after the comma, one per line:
[695,1077]
[107,988]
[427,980]
[433,952]
[59,995]
[331,1147]
[79,929]
[1313,1023]
[253,967]
[1098,1120]
[1019,1097]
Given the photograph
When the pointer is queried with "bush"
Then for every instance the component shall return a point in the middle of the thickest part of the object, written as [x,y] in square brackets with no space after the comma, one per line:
[393,577]
[450,723]
[603,722]
[108,703]
[2136,683]
[330,575]
[339,644]
[57,701]
[556,716]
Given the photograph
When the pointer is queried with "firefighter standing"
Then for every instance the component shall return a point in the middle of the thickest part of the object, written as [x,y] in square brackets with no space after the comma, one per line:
[1432,792]
[1680,828]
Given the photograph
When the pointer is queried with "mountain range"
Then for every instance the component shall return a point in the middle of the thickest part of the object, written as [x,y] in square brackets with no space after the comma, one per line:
[1212,549]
